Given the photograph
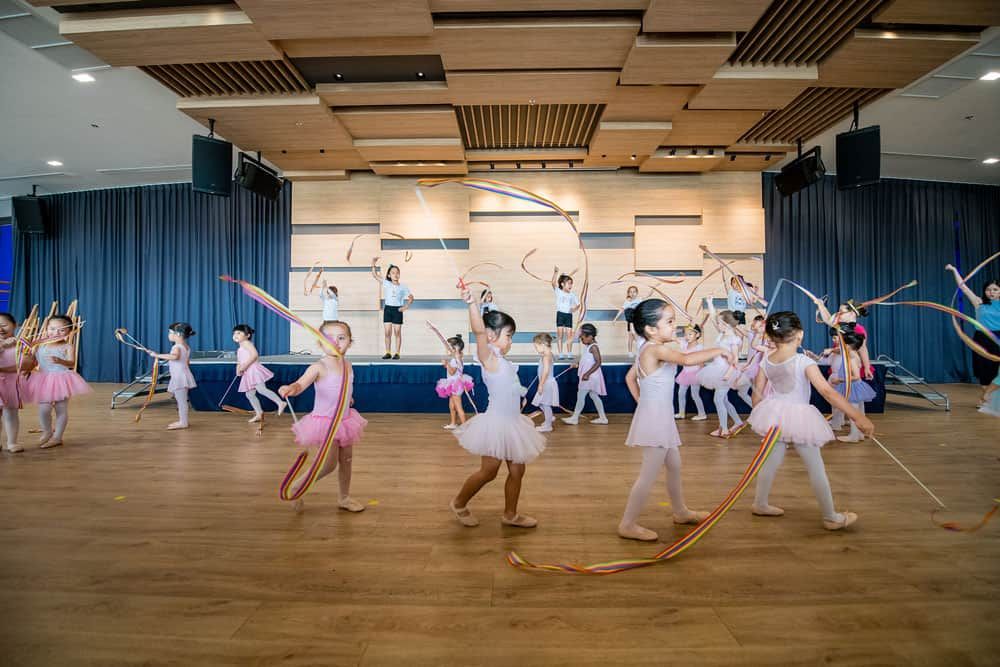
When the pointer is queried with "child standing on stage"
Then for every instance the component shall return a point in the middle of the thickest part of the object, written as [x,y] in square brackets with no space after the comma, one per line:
[486,301]
[651,383]
[547,394]
[181,379]
[502,433]
[328,375]
[457,383]
[55,382]
[717,375]
[787,406]
[12,396]
[628,307]
[591,378]
[329,297]
[688,378]
[398,298]
[566,304]
[253,375]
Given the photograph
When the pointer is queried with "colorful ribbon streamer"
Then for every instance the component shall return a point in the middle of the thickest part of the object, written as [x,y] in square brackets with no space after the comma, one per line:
[678,547]
[957,528]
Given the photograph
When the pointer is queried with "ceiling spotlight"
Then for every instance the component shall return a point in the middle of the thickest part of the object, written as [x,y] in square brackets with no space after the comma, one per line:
[322,150]
[732,157]
[532,101]
[421,75]
[711,152]
[298,123]
[493,165]
[694,153]
[672,153]
[338,76]
[990,76]
[632,156]
[517,164]
[54,163]
[83,77]
[95,125]
[989,160]
[767,157]
[543,166]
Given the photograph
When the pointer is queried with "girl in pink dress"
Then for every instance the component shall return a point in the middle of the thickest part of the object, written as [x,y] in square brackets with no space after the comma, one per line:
[328,376]
[651,382]
[501,433]
[13,390]
[547,393]
[591,378]
[55,381]
[454,386]
[253,375]
[688,378]
[791,375]
[181,379]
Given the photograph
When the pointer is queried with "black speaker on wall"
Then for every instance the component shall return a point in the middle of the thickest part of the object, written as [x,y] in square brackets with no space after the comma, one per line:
[30,215]
[258,178]
[211,165]
[800,173]
[858,156]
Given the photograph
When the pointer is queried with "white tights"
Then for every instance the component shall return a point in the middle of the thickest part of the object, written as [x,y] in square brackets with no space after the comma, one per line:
[547,412]
[181,396]
[855,431]
[654,458]
[695,394]
[267,393]
[813,461]
[45,418]
[11,425]
[725,409]
[581,399]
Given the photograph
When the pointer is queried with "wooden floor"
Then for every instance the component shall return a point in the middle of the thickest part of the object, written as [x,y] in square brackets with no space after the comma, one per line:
[134,545]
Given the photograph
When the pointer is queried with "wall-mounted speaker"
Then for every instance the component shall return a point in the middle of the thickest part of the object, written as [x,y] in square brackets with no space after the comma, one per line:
[30,214]
[211,166]
[800,173]
[858,157]
[258,178]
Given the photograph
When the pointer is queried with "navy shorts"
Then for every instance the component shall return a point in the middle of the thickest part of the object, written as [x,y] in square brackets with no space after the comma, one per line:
[392,315]
[564,320]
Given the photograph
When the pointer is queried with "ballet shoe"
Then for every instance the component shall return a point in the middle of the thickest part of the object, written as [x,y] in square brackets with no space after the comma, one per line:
[849,518]
[692,517]
[49,444]
[255,419]
[719,433]
[572,421]
[350,504]
[519,521]
[450,427]
[637,532]
[679,415]
[767,510]
[176,426]
[599,420]
[699,418]
[544,428]
[46,436]
[463,515]
[14,448]
[850,438]
[281,407]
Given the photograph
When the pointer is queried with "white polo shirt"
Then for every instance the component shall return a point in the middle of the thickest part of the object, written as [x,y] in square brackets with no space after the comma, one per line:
[394,295]
[566,301]
[331,306]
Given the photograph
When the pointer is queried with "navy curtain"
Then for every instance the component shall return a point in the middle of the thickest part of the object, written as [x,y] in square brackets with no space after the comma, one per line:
[865,242]
[144,257]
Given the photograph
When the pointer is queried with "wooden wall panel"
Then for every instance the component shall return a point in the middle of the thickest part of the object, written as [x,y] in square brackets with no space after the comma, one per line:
[400,211]
[733,229]
[399,122]
[627,138]
[668,243]
[350,202]
[702,15]
[331,249]
[358,291]
[514,87]
[682,59]
[430,274]
[527,43]
[303,19]
[660,163]
[366,327]
[711,128]
[214,33]
[901,56]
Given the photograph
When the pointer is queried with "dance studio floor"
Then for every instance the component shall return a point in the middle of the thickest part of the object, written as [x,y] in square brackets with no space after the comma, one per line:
[134,545]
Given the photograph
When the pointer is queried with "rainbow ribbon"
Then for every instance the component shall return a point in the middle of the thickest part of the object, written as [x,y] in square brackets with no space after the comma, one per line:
[289,489]
[678,547]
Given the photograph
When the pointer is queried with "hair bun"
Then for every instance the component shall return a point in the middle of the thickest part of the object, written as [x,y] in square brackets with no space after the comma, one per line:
[458,336]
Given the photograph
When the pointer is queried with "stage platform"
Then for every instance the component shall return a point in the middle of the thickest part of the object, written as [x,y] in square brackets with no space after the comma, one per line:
[407,385]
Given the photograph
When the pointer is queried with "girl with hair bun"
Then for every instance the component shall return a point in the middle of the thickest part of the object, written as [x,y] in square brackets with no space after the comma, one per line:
[456,383]
[253,375]
[181,379]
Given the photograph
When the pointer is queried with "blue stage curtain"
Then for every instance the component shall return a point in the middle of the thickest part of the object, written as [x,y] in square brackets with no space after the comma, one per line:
[865,242]
[144,257]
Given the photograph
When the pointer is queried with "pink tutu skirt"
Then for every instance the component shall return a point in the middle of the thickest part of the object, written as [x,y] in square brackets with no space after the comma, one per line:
[49,387]
[254,376]
[688,376]
[800,423]
[9,392]
[454,385]
[311,430]
[506,438]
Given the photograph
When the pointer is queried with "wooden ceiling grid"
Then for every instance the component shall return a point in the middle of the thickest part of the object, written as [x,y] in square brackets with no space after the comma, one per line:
[536,83]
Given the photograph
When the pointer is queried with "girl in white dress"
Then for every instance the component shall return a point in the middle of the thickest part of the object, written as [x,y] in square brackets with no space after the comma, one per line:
[591,378]
[547,394]
[651,382]
[719,374]
[787,406]
[501,433]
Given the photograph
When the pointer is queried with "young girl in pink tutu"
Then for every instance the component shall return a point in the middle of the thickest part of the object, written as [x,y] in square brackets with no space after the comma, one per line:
[688,378]
[791,375]
[181,379]
[719,376]
[454,386]
[253,375]
[328,375]
[55,381]
[13,390]
[651,382]
[591,377]
[547,394]
[501,433]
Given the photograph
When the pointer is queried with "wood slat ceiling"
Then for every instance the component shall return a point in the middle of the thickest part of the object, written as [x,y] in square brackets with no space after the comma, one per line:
[809,114]
[250,77]
[802,32]
[528,125]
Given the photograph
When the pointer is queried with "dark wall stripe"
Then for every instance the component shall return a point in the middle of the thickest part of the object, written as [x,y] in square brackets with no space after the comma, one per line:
[424,244]
[336,229]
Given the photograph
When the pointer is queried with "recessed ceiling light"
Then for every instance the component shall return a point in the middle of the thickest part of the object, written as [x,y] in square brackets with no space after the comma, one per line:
[632,157]
[990,76]
[420,75]
[54,163]
[338,76]
[989,160]
[83,77]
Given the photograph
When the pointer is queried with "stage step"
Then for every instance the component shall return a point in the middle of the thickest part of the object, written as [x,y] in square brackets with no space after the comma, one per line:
[900,380]
[140,386]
